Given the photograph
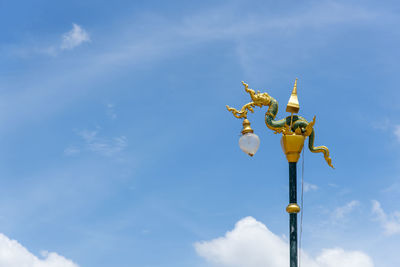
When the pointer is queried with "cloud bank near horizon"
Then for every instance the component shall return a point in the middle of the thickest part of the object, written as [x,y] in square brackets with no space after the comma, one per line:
[252,244]
[13,254]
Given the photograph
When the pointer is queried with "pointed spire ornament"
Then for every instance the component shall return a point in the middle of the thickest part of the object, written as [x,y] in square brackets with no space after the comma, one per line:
[293,104]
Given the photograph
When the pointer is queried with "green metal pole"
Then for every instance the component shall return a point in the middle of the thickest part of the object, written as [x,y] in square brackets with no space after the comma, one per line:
[293,216]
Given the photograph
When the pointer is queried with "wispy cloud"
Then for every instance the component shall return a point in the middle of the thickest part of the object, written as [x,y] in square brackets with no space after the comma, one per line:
[101,145]
[388,126]
[98,144]
[252,244]
[71,150]
[310,187]
[69,40]
[170,38]
[382,125]
[74,37]
[340,212]
[13,254]
[389,222]
[394,188]
[397,132]
[111,111]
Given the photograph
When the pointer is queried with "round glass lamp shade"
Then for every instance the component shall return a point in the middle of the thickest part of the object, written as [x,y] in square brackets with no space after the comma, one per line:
[249,143]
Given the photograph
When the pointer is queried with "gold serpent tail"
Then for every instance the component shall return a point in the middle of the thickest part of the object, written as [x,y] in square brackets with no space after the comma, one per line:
[319,149]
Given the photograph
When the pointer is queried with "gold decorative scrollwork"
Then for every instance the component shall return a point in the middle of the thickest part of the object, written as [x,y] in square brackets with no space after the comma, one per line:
[259,100]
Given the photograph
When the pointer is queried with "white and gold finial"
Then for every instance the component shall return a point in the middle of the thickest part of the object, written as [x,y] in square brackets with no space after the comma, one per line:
[293,104]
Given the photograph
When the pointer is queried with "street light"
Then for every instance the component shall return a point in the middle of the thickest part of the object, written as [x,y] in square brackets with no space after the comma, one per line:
[248,142]
[294,129]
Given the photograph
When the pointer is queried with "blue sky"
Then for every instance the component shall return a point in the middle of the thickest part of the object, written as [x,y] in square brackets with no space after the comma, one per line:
[117,149]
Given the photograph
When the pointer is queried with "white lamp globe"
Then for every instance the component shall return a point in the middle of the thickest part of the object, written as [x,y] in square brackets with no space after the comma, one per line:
[249,143]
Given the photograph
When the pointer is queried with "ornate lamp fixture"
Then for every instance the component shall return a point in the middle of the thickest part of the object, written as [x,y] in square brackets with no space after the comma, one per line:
[294,129]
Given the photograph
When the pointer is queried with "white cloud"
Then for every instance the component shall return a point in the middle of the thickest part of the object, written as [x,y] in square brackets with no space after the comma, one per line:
[252,244]
[340,212]
[74,37]
[13,254]
[339,257]
[309,187]
[389,222]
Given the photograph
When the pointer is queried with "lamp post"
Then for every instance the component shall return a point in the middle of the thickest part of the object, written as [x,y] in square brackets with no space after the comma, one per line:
[294,129]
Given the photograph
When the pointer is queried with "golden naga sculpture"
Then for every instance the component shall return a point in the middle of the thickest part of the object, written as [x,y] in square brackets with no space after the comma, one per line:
[291,125]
